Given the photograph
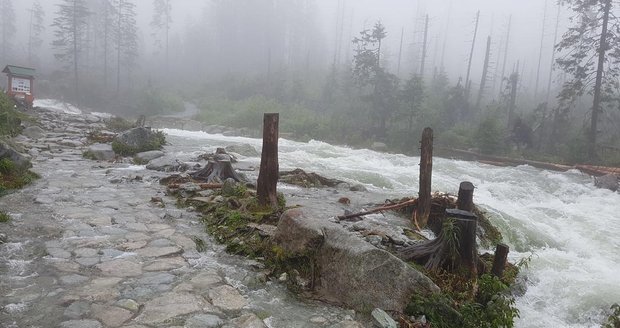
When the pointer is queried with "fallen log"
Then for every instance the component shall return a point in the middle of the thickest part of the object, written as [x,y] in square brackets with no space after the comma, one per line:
[379,209]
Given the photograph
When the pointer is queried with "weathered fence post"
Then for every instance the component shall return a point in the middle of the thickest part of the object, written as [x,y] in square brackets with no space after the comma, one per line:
[500,259]
[269,168]
[423,209]
[465,201]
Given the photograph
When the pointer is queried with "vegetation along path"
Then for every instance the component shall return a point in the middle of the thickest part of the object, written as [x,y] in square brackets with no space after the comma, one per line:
[85,247]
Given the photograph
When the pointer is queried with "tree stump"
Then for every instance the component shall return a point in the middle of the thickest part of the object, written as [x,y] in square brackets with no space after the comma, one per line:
[454,250]
[423,209]
[500,259]
[217,170]
[465,201]
[266,188]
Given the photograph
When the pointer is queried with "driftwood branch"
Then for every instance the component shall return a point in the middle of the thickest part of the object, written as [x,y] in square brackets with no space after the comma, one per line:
[379,209]
[203,186]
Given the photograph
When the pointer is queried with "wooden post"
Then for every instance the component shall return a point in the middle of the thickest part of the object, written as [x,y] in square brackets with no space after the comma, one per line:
[465,201]
[269,168]
[466,223]
[423,209]
[500,259]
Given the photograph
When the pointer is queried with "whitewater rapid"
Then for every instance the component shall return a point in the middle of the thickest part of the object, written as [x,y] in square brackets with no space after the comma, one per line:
[566,226]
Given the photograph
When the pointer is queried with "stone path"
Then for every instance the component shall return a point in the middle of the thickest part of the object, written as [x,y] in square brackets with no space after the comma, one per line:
[86,248]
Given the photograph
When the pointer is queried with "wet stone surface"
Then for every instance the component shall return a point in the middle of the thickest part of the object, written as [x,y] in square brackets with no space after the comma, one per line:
[87,249]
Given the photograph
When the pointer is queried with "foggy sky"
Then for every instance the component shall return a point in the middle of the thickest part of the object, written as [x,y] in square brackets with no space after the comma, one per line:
[527,16]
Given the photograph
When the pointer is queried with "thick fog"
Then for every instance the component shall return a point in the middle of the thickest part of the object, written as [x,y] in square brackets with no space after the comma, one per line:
[331,24]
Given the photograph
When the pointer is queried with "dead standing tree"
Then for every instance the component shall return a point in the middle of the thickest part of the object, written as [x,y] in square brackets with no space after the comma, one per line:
[269,168]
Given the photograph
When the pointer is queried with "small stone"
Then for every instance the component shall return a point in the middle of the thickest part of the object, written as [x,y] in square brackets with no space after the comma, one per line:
[283,277]
[86,252]
[87,261]
[128,304]
[80,324]
[111,316]
[77,310]
[382,319]
[204,321]
[205,280]
[133,245]
[58,253]
[248,320]
[227,298]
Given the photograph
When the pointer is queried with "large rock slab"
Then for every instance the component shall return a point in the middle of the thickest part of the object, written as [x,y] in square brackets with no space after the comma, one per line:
[352,271]
[227,298]
[137,140]
[21,162]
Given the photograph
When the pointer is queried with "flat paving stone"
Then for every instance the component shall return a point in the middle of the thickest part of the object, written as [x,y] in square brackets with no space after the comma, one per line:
[227,298]
[166,264]
[111,316]
[159,251]
[120,268]
[169,306]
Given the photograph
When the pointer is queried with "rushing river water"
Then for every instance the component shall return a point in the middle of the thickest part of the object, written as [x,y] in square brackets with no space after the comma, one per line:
[567,227]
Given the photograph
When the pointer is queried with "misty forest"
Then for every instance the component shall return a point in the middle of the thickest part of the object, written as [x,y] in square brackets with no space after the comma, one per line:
[309,163]
[337,73]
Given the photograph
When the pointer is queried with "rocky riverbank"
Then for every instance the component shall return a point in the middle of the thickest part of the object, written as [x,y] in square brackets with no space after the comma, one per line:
[85,247]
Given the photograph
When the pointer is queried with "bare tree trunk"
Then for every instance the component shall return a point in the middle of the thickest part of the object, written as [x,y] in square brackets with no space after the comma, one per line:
[424,46]
[400,51]
[596,107]
[426,171]
[75,52]
[269,169]
[471,54]
[485,72]
[552,66]
[540,52]
[501,84]
[514,81]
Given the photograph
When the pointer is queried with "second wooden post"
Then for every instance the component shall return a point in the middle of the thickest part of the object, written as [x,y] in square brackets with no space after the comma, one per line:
[266,188]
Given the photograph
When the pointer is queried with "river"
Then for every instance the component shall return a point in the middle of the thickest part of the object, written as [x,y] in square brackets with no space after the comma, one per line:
[564,225]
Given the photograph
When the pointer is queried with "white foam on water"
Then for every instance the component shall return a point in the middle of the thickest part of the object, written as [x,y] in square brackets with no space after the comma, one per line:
[57,106]
[569,226]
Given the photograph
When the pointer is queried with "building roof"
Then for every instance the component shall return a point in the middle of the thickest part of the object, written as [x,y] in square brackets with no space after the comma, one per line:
[19,71]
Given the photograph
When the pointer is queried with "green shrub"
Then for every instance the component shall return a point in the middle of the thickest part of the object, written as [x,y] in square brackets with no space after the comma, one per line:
[490,307]
[4,217]
[118,124]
